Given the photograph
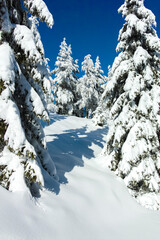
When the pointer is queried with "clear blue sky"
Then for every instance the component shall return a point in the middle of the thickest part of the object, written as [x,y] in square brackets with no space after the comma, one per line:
[90,26]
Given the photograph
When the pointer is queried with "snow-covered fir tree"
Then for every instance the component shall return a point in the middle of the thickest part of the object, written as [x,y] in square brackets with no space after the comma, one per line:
[65,81]
[101,115]
[25,91]
[132,98]
[90,86]
[101,79]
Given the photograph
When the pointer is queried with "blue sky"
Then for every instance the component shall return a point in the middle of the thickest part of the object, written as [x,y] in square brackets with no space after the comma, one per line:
[90,26]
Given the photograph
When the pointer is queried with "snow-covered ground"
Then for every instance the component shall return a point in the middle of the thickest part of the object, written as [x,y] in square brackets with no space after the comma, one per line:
[90,203]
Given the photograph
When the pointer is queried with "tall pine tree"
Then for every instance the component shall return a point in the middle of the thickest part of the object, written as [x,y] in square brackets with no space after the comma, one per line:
[101,79]
[65,81]
[98,115]
[132,99]
[90,86]
[25,91]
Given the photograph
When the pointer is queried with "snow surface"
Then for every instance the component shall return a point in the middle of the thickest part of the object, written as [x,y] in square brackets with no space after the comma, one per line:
[90,203]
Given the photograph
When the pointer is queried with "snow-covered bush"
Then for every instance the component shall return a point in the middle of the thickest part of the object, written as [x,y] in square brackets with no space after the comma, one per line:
[65,81]
[132,100]
[25,91]
[90,86]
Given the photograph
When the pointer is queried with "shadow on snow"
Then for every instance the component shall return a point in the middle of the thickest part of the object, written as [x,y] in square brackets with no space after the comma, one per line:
[53,118]
[68,150]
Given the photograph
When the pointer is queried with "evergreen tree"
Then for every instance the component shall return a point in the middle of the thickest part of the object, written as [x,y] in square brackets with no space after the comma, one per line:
[101,79]
[65,81]
[99,117]
[90,86]
[24,92]
[132,98]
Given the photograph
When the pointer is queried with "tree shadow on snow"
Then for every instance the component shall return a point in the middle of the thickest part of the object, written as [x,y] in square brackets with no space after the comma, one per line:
[54,118]
[68,150]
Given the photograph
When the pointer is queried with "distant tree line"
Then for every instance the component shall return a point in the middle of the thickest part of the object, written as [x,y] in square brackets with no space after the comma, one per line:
[75,95]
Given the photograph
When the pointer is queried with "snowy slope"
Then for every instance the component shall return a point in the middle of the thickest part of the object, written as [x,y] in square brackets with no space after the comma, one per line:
[90,203]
